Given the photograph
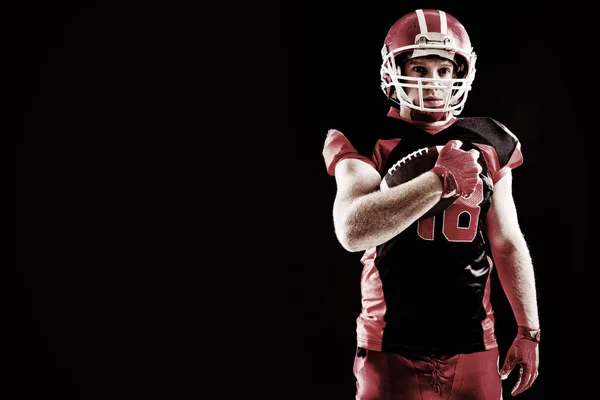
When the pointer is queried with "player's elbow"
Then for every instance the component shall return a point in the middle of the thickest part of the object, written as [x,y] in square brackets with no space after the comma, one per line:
[350,229]
[349,244]
[507,241]
[350,238]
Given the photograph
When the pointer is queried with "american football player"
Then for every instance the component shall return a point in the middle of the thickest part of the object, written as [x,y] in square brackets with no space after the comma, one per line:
[426,326]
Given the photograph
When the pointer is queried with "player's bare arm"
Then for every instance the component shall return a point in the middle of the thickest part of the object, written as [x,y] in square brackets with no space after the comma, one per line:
[515,271]
[510,251]
[365,217]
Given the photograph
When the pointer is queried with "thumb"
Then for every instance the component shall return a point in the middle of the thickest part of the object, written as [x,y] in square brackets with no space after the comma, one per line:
[509,364]
[452,144]
[505,371]
[475,153]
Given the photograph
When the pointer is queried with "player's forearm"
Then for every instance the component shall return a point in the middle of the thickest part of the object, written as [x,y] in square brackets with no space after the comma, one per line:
[379,216]
[516,274]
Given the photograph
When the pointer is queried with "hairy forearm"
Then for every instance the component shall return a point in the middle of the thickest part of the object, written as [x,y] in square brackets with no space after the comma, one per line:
[516,274]
[377,217]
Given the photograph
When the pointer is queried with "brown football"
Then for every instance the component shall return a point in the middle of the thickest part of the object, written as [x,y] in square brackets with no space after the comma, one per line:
[411,166]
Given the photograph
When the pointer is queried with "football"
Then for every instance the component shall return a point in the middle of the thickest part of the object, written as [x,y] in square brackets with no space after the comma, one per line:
[411,166]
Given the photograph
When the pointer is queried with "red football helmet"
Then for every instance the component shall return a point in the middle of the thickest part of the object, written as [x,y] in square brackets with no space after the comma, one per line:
[422,33]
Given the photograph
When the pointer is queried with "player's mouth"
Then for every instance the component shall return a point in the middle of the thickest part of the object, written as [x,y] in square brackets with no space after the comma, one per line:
[433,102]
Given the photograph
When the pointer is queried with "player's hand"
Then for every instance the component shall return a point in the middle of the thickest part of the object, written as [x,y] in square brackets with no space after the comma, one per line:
[458,169]
[523,352]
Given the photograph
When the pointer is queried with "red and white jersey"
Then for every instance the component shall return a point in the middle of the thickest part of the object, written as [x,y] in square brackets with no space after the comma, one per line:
[428,289]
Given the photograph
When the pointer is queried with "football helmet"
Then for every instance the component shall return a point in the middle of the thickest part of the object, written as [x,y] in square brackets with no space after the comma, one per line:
[426,32]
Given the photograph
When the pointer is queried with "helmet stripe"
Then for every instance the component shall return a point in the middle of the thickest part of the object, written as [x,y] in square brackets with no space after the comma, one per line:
[422,21]
[443,23]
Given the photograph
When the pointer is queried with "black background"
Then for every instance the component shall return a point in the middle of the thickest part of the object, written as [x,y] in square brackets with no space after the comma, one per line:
[173,213]
[529,55]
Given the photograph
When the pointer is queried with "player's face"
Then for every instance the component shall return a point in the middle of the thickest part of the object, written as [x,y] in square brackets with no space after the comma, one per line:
[429,68]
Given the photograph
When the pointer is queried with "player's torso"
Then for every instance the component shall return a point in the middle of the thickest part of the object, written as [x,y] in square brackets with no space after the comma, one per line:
[434,274]
[450,239]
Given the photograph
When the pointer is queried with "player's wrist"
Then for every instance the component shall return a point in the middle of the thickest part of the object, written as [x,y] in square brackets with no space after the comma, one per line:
[524,332]
[449,187]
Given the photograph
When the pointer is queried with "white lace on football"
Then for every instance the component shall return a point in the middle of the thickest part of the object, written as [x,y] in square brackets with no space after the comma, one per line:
[407,158]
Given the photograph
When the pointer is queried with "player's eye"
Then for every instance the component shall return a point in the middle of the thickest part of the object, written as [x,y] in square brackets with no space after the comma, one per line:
[445,71]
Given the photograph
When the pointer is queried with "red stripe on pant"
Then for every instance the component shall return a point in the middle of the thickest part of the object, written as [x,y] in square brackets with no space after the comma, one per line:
[390,376]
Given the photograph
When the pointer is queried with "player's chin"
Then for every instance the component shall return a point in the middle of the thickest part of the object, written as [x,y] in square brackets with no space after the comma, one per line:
[435,104]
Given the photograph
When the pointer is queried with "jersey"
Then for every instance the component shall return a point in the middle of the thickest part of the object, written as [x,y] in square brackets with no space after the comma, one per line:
[427,290]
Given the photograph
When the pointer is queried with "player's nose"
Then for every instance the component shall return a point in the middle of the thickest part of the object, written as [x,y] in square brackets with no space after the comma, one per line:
[436,83]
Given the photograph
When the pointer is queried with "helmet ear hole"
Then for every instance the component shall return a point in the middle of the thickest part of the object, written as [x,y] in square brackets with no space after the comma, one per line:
[400,59]
[461,67]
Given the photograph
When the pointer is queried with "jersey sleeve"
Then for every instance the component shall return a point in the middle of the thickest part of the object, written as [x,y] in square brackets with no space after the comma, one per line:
[381,153]
[514,157]
[503,154]
[337,147]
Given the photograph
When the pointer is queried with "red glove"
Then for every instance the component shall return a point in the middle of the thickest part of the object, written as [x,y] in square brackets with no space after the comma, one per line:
[458,169]
[524,351]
